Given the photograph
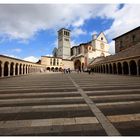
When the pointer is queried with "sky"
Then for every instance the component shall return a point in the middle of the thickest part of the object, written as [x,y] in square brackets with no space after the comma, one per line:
[29,31]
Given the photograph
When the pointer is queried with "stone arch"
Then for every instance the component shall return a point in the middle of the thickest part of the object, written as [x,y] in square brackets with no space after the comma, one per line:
[20,69]
[0,69]
[139,66]
[16,69]
[23,69]
[77,65]
[56,69]
[125,68]
[107,70]
[110,68]
[119,68]
[60,69]
[48,68]
[52,69]
[133,67]
[6,71]
[26,70]
[12,69]
[114,68]
[103,68]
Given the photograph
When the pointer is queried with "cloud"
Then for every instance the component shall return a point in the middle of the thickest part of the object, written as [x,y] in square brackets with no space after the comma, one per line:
[125,19]
[10,55]
[112,47]
[94,32]
[31,59]
[78,31]
[22,21]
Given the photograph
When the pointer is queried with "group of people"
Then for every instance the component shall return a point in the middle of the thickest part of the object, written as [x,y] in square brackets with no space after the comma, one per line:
[67,70]
[90,71]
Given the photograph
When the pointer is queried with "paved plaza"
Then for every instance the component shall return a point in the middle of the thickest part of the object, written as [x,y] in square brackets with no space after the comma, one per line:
[58,104]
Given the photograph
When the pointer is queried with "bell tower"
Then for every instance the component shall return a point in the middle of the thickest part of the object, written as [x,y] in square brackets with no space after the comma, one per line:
[64,46]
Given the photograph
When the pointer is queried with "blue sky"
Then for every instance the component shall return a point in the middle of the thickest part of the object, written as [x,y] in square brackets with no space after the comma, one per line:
[30,31]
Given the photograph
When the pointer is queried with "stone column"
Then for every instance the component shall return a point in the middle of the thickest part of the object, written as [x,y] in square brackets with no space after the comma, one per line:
[18,69]
[14,70]
[137,70]
[25,70]
[116,69]
[129,71]
[2,70]
[8,70]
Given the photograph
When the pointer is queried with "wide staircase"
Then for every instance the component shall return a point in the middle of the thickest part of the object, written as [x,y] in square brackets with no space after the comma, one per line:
[74,104]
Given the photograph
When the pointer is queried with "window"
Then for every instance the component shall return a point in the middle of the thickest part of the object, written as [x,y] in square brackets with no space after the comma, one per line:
[102,46]
[101,38]
[51,61]
[66,39]
[57,62]
[54,61]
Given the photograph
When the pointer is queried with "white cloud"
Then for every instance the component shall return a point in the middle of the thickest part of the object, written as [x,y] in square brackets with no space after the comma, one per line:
[49,55]
[78,23]
[124,20]
[21,21]
[112,47]
[94,32]
[10,55]
[78,31]
[31,59]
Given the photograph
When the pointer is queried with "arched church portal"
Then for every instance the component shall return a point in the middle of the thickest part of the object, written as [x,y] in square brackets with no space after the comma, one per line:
[77,65]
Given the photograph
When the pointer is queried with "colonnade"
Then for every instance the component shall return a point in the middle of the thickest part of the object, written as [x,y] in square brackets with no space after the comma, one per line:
[125,67]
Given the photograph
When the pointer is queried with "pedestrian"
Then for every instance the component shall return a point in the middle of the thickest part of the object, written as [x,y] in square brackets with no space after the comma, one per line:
[89,71]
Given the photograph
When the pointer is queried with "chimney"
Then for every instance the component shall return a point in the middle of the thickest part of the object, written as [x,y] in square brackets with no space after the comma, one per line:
[94,36]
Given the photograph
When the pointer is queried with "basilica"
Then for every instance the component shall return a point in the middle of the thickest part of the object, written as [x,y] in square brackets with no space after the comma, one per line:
[75,57]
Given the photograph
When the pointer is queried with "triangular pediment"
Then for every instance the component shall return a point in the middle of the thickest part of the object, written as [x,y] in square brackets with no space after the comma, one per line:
[102,37]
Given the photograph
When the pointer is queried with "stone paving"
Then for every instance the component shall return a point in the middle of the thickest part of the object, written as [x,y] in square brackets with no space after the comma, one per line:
[73,104]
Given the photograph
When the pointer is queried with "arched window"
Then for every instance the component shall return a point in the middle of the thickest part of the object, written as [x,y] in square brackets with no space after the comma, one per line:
[133,67]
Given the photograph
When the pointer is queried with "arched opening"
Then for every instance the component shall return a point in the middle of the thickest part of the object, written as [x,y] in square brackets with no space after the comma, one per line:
[52,69]
[48,68]
[139,67]
[16,69]
[26,69]
[20,69]
[0,69]
[125,68]
[114,68]
[23,69]
[56,69]
[60,69]
[119,68]
[12,69]
[99,69]
[77,65]
[103,68]
[6,68]
[107,68]
[133,67]
[110,68]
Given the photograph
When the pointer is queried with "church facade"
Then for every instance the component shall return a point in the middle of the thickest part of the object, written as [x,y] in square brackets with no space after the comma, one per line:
[76,57]
[126,60]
